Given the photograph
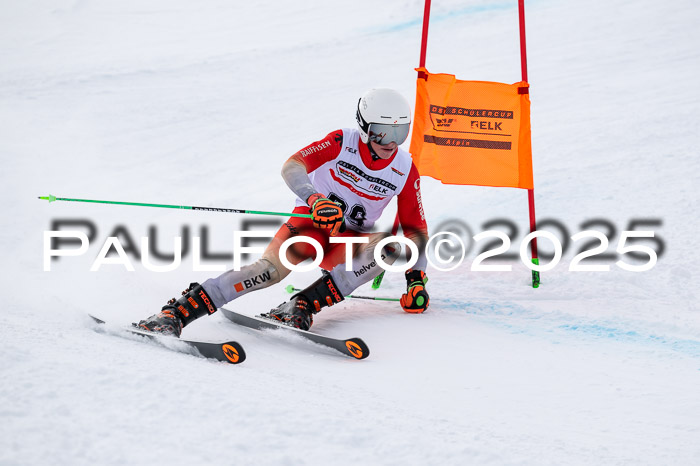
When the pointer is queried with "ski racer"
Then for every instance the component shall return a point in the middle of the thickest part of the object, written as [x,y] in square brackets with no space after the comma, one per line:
[345,181]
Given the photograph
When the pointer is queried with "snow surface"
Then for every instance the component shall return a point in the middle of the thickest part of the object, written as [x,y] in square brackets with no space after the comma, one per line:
[199,103]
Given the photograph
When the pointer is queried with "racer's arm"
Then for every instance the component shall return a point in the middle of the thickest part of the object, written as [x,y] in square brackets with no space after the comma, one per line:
[296,169]
[296,177]
[325,213]
[412,217]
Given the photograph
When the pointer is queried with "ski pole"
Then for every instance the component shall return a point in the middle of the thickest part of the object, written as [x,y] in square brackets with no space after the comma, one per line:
[378,279]
[52,198]
[291,289]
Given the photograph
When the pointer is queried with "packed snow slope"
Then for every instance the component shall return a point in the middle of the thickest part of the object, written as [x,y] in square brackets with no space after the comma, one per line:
[199,103]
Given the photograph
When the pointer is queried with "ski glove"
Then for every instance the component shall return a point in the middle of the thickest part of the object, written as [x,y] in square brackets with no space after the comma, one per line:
[416,299]
[326,214]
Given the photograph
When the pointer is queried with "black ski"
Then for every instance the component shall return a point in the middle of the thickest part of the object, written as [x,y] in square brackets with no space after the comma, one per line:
[354,347]
[228,351]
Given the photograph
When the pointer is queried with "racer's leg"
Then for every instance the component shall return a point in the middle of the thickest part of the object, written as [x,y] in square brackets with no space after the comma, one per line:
[364,266]
[200,300]
[269,269]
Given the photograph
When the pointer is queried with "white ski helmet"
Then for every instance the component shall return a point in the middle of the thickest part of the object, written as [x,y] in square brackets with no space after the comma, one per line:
[383,116]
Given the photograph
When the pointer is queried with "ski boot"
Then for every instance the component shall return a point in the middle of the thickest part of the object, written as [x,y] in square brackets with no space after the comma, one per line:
[298,312]
[178,313]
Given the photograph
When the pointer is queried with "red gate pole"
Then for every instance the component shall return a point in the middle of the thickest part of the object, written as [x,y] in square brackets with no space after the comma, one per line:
[530,192]
[421,75]
[424,37]
[423,50]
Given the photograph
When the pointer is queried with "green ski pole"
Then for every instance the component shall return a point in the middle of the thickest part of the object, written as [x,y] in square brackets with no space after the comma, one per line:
[52,198]
[378,279]
[291,289]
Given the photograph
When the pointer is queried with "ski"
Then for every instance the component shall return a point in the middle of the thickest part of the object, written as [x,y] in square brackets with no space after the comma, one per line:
[353,347]
[229,351]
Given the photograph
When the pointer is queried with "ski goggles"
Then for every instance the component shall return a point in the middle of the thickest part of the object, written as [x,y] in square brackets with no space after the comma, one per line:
[383,133]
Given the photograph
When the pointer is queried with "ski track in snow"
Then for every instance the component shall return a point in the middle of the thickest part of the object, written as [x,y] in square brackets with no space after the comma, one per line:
[179,103]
